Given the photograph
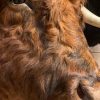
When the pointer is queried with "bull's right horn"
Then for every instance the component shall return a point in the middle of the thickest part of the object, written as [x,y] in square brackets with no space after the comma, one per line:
[90,18]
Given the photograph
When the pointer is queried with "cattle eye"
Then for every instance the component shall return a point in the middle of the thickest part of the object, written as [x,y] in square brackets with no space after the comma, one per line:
[18,1]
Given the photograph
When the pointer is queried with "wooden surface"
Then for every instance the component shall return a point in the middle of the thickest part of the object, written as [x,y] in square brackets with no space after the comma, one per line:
[96,52]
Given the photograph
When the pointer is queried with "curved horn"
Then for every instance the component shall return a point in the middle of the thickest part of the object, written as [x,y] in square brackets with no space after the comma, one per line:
[90,18]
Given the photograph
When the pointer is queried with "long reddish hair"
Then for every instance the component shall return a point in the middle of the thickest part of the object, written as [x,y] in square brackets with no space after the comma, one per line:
[44,54]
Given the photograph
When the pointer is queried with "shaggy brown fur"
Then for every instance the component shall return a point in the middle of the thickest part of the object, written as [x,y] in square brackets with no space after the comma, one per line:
[44,54]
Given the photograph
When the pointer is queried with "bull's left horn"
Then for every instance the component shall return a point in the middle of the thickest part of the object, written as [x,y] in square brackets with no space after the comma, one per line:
[90,18]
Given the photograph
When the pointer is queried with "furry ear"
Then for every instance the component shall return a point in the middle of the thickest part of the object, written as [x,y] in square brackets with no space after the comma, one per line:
[18,1]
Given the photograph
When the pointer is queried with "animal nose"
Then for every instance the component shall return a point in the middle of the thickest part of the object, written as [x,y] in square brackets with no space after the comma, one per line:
[18,1]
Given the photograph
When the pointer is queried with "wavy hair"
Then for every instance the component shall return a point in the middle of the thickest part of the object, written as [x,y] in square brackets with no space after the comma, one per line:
[43,53]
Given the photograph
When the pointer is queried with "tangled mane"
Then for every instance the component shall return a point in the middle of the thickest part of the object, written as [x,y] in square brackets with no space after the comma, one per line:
[44,54]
